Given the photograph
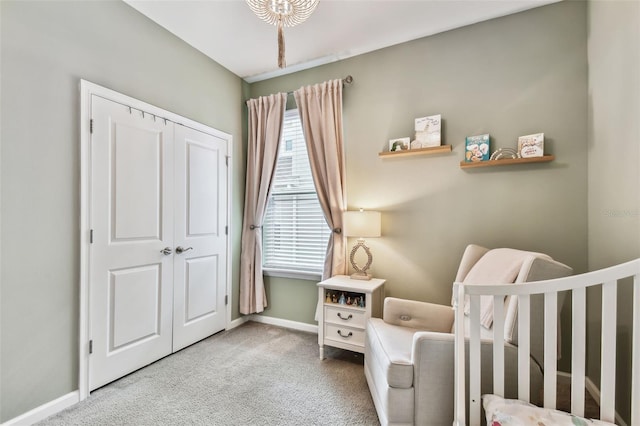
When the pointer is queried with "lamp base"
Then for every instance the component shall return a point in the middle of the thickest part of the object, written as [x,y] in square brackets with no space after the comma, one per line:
[360,276]
[361,273]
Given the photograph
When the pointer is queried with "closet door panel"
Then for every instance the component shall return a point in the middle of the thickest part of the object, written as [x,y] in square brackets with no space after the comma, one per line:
[201,289]
[134,301]
[137,182]
[200,220]
[131,280]
[203,190]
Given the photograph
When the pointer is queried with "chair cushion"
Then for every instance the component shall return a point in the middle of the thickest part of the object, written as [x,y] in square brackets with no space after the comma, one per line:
[390,350]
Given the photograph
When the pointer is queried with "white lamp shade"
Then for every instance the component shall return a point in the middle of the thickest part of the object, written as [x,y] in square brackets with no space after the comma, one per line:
[361,224]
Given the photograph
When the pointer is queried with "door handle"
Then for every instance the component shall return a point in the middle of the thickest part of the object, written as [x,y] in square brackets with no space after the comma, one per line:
[166,251]
[181,249]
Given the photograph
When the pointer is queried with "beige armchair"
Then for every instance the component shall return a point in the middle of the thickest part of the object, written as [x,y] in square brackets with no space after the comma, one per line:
[409,353]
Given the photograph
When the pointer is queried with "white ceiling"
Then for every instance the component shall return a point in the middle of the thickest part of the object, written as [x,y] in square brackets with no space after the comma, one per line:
[229,33]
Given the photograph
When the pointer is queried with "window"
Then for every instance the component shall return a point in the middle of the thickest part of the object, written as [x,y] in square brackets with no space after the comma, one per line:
[295,233]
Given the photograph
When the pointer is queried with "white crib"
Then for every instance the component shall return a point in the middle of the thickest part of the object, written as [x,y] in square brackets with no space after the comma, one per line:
[609,279]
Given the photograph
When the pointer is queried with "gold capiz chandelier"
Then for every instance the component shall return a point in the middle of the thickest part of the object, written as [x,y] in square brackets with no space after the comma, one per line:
[283,13]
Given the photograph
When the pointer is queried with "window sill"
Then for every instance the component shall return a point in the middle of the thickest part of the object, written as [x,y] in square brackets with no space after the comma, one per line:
[301,275]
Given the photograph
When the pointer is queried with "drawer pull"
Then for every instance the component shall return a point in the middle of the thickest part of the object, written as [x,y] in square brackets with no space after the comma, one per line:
[343,318]
[343,336]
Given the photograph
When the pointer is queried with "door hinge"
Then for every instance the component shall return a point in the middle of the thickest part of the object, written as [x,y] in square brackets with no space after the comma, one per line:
[91,126]
[90,346]
[226,160]
[226,230]
[91,236]
[226,300]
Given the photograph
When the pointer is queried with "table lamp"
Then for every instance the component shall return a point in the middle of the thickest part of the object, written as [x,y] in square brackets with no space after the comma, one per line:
[361,224]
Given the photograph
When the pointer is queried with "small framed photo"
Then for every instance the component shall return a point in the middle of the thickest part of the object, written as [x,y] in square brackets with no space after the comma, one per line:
[427,132]
[399,144]
[531,145]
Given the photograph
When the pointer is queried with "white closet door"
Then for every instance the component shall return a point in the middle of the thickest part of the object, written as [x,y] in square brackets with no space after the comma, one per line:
[131,210]
[200,221]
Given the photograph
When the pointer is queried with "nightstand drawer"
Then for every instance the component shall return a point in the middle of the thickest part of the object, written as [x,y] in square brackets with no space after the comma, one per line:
[344,334]
[344,316]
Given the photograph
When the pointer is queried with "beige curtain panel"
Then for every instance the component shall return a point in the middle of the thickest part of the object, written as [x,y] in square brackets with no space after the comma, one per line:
[265,128]
[320,109]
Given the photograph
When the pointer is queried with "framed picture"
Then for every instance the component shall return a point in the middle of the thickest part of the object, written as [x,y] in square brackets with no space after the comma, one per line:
[531,145]
[399,144]
[427,132]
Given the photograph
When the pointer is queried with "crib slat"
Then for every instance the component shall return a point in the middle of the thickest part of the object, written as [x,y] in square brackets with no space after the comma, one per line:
[635,354]
[498,345]
[524,346]
[608,359]
[460,402]
[578,349]
[474,360]
[550,348]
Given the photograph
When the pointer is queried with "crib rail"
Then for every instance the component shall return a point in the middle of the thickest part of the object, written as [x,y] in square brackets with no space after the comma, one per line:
[608,279]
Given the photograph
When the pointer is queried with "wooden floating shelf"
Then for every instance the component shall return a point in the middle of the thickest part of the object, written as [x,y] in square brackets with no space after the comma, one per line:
[420,151]
[506,162]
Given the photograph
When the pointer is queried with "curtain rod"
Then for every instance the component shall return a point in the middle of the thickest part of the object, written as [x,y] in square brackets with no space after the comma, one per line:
[347,80]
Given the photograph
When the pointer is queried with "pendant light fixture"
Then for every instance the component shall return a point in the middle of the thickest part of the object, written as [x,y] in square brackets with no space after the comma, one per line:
[283,13]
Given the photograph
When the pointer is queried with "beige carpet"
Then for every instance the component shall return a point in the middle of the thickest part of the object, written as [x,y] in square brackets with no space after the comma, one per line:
[255,374]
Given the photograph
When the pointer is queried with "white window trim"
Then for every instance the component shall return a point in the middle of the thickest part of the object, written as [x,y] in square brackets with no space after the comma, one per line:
[286,273]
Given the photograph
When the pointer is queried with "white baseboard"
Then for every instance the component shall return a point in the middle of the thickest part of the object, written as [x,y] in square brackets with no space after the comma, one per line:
[237,322]
[294,325]
[593,391]
[45,410]
[563,375]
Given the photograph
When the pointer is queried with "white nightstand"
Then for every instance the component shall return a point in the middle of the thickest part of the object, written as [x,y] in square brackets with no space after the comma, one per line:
[343,325]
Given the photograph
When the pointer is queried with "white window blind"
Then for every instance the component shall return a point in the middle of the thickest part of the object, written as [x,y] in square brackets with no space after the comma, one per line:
[295,233]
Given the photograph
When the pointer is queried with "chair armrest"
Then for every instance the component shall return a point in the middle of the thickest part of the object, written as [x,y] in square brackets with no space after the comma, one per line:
[420,315]
[433,359]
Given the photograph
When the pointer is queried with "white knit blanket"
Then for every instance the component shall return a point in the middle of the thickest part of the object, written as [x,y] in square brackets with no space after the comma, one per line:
[497,266]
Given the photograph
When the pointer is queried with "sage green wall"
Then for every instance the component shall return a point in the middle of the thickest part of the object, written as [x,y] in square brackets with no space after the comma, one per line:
[47,47]
[511,76]
[614,168]
[291,299]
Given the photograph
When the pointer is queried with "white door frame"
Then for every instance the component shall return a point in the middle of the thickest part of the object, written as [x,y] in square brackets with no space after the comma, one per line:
[87,89]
